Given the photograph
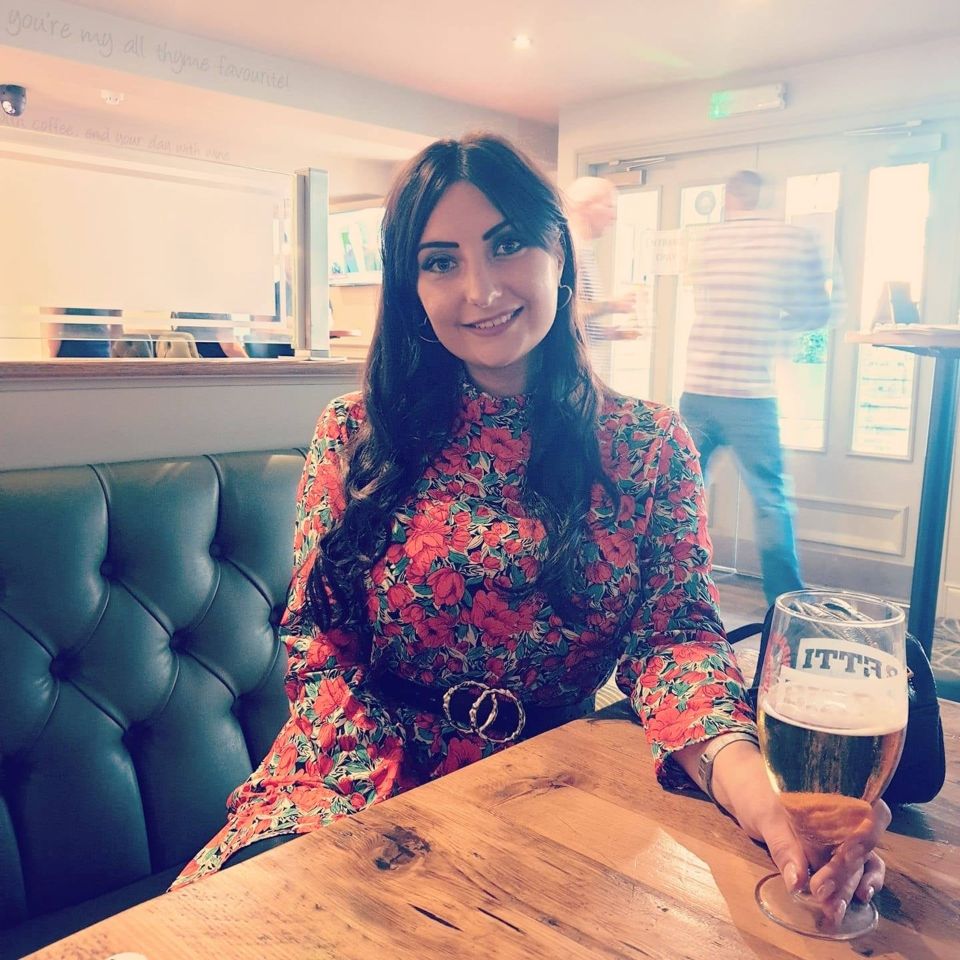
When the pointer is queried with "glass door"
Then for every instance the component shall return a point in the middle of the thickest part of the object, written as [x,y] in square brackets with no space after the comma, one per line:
[689,190]
[849,416]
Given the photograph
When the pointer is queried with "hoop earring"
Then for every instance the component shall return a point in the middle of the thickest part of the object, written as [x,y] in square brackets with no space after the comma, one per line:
[568,290]
[425,323]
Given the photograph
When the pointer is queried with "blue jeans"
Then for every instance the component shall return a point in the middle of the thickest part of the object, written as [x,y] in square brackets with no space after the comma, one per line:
[750,427]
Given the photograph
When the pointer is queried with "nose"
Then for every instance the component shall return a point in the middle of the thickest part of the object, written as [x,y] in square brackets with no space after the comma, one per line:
[482,288]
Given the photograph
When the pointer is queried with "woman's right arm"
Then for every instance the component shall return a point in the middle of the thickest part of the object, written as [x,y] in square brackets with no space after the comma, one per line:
[348,747]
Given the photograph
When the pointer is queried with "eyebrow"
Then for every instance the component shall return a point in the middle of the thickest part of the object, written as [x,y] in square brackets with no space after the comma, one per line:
[450,245]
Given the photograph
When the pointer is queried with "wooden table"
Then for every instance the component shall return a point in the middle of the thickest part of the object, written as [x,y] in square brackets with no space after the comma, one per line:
[942,343]
[561,848]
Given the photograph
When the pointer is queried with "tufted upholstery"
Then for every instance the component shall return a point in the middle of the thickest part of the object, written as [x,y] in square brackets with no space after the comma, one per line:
[140,674]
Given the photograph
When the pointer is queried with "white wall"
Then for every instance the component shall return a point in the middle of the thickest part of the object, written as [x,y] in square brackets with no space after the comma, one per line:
[85,36]
[149,239]
[864,90]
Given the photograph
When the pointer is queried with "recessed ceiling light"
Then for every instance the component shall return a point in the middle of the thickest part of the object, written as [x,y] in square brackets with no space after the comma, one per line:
[113,97]
[522,42]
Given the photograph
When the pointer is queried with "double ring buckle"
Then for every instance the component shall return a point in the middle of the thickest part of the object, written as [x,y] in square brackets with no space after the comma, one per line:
[494,694]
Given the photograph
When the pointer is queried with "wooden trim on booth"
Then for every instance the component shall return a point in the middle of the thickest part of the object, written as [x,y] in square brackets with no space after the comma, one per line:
[153,368]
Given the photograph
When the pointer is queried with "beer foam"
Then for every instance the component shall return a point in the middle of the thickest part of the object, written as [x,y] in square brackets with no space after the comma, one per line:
[844,712]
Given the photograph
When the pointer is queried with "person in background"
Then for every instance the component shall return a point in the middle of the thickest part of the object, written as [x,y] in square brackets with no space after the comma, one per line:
[213,343]
[756,283]
[86,341]
[485,533]
[592,208]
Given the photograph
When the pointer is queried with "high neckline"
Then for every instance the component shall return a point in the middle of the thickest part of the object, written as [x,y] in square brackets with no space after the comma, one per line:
[471,391]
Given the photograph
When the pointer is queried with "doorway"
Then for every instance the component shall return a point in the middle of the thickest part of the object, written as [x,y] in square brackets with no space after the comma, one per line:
[852,418]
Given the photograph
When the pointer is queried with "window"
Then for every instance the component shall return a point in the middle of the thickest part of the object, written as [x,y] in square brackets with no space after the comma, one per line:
[812,201]
[894,250]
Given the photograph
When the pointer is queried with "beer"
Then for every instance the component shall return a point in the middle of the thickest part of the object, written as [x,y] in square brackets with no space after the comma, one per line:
[832,713]
[827,777]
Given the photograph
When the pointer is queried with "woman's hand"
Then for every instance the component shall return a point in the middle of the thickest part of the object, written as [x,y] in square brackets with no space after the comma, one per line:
[853,869]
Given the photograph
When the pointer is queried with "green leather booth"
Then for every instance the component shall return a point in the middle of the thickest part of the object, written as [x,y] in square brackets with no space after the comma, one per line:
[140,674]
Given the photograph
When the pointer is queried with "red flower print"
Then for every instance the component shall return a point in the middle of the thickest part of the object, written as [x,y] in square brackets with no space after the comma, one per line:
[496,534]
[709,692]
[447,586]
[437,631]
[599,572]
[326,735]
[671,726]
[413,613]
[493,617]
[618,547]
[692,652]
[682,550]
[530,567]
[460,753]
[317,769]
[426,540]
[399,595]
[455,460]
[314,798]
[530,529]
[333,695]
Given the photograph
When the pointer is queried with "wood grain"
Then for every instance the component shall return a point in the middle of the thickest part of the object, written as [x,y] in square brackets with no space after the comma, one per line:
[560,847]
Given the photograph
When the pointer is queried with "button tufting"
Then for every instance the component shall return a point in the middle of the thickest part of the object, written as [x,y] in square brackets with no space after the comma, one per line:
[276,615]
[179,640]
[60,666]
[131,736]
[215,549]
[106,570]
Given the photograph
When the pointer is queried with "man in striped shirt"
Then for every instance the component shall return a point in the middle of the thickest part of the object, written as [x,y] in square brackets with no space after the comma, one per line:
[592,208]
[757,283]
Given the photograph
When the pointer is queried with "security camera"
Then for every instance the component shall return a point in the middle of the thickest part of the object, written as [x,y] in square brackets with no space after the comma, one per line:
[13,99]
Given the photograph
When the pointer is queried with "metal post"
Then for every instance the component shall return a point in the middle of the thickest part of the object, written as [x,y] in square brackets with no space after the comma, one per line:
[311,293]
[933,501]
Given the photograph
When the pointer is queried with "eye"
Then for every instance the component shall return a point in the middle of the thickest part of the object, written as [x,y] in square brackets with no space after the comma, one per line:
[507,246]
[438,263]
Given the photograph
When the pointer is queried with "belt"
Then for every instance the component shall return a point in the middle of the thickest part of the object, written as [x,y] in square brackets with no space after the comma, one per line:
[493,713]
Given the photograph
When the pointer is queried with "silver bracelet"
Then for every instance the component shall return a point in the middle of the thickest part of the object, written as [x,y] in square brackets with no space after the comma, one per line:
[708,758]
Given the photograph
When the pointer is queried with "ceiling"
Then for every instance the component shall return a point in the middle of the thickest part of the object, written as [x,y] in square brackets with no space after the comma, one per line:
[582,49]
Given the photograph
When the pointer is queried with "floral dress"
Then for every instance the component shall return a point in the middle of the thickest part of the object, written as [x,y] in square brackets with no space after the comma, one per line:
[440,614]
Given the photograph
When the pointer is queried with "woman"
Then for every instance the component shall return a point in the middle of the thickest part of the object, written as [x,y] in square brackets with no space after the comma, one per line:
[485,533]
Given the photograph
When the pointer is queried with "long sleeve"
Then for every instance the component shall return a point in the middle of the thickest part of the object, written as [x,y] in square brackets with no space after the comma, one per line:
[340,750]
[677,668]
[348,747]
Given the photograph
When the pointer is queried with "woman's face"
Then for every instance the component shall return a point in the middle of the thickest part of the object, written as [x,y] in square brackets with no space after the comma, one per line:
[490,298]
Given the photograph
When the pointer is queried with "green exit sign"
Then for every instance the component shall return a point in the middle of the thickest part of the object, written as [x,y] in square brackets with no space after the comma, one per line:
[720,105]
[729,103]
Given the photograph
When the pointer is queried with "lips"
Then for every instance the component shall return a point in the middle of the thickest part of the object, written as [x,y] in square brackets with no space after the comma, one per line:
[497,322]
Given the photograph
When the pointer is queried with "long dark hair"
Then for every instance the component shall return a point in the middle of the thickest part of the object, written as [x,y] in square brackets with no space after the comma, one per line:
[412,387]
